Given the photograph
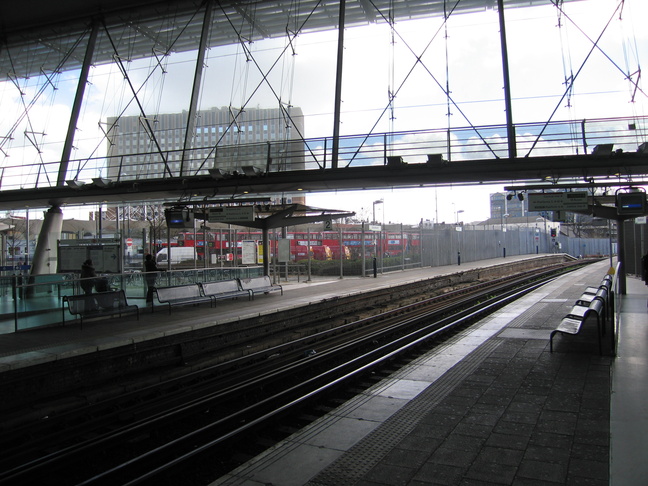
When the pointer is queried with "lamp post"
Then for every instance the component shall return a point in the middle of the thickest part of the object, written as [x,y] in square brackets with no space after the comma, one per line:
[537,233]
[378,201]
[457,213]
[379,237]
[504,216]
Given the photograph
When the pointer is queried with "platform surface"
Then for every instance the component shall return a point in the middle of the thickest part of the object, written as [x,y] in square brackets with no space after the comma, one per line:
[41,345]
[493,406]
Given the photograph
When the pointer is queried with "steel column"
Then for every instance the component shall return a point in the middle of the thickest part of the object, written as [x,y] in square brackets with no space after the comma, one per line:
[195,92]
[45,253]
[76,106]
[510,129]
[338,86]
[621,255]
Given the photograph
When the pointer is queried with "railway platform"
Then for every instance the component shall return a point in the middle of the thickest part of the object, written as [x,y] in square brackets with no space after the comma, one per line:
[493,406]
[42,345]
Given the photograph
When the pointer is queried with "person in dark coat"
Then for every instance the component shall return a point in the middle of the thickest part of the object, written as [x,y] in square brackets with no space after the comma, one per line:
[644,268]
[88,275]
[151,269]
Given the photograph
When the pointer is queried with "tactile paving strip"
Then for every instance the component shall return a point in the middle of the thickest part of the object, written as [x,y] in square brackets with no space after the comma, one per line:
[359,460]
[525,317]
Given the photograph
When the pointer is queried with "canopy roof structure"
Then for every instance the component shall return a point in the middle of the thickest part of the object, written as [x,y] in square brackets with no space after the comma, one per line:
[42,25]
[271,216]
[39,38]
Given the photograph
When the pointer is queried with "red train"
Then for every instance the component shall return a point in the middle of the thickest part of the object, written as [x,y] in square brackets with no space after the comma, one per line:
[324,245]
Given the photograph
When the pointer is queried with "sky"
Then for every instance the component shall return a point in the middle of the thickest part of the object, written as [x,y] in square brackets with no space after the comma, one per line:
[411,64]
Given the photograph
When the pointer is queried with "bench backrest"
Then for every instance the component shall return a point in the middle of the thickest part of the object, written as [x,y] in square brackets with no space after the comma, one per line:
[255,283]
[602,294]
[180,292]
[82,304]
[111,300]
[221,287]
[581,311]
[596,306]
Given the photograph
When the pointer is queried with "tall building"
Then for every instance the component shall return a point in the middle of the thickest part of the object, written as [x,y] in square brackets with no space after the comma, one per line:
[224,138]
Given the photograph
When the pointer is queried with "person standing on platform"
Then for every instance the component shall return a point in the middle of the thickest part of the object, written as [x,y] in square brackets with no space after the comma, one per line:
[151,269]
[88,275]
[644,268]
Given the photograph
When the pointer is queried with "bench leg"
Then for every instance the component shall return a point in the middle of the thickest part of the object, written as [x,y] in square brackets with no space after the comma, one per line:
[598,329]
[551,336]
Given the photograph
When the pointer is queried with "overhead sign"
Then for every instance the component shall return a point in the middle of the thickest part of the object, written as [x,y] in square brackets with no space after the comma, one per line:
[231,214]
[557,201]
[631,203]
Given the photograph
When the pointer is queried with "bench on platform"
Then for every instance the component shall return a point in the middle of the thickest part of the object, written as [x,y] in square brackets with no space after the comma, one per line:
[225,289]
[573,322]
[98,305]
[259,285]
[181,295]
[602,295]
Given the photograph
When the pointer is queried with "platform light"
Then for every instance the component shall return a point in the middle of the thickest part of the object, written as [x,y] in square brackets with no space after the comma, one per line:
[101,182]
[251,171]
[603,149]
[520,196]
[217,174]
[436,159]
[75,184]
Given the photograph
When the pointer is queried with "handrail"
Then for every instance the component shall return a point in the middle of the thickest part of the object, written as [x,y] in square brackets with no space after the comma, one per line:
[37,303]
[567,137]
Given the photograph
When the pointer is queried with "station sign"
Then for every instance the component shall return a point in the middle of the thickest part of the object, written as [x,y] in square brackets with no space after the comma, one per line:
[231,214]
[375,227]
[558,201]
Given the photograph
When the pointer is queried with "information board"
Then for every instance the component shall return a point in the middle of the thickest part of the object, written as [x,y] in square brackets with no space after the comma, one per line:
[105,258]
[284,250]
[231,214]
[105,255]
[248,252]
[71,258]
[557,201]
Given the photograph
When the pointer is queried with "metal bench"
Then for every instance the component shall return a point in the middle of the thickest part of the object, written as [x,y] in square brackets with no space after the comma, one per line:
[601,294]
[98,305]
[225,289]
[181,295]
[572,323]
[260,284]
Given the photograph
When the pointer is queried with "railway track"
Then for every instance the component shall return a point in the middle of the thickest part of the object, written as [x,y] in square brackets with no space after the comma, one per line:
[159,433]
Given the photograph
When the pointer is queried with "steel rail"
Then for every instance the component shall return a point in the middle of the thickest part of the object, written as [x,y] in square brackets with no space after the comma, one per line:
[209,399]
[351,370]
